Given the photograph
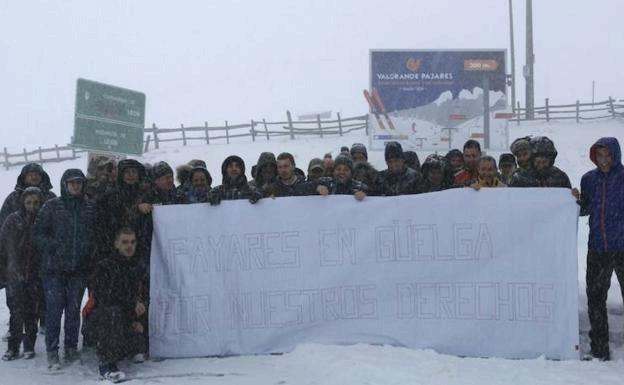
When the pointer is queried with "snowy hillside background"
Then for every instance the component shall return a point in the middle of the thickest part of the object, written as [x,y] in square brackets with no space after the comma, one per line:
[358,364]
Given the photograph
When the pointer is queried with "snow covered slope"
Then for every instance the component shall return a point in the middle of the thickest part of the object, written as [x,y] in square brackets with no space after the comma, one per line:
[358,364]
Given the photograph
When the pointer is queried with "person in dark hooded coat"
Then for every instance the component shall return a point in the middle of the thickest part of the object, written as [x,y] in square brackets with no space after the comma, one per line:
[288,182]
[265,171]
[119,207]
[437,173]
[602,198]
[22,275]
[201,182]
[234,183]
[341,183]
[363,171]
[64,240]
[543,172]
[398,179]
[32,174]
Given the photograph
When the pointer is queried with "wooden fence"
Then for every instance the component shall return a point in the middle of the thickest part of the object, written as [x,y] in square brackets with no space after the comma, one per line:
[255,129]
[610,108]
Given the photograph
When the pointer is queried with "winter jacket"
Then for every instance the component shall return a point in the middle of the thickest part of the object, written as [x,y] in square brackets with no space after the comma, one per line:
[16,247]
[407,182]
[367,174]
[64,232]
[266,159]
[551,177]
[602,198]
[12,203]
[232,189]
[280,189]
[465,177]
[117,281]
[337,188]
[119,208]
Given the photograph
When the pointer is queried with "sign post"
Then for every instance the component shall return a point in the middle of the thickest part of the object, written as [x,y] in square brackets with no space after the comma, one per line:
[108,119]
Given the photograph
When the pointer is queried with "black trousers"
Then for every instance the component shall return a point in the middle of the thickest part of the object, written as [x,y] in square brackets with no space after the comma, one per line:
[600,267]
[23,299]
[114,337]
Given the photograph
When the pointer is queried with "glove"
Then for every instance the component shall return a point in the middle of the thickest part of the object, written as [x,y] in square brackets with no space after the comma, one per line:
[255,196]
[214,198]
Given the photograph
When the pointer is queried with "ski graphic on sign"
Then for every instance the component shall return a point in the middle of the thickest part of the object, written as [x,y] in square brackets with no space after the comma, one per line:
[373,108]
[381,106]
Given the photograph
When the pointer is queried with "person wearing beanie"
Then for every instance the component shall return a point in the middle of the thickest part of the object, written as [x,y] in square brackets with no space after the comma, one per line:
[542,172]
[342,182]
[163,191]
[200,182]
[316,169]
[344,150]
[521,149]
[234,183]
[359,153]
[398,179]
[455,159]
[411,160]
[437,173]
[506,166]
[23,284]
[32,174]
[68,224]
[469,173]
[265,171]
[328,162]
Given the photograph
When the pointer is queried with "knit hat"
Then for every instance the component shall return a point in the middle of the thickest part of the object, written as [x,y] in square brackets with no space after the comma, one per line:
[161,169]
[393,151]
[506,158]
[344,159]
[197,163]
[316,163]
[359,148]
[521,144]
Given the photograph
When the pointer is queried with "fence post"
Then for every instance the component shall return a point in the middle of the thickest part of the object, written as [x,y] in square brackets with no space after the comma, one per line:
[6,158]
[577,111]
[366,124]
[207,132]
[611,106]
[266,129]
[518,114]
[253,132]
[58,153]
[73,153]
[547,111]
[290,125]
[155,135]
[25,156]
[227,132]
[320,126]
[147,142]
[339,124]
[40,155]
[183,135]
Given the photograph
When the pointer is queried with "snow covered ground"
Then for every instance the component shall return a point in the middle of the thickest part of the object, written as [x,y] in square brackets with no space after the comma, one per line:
[357,364]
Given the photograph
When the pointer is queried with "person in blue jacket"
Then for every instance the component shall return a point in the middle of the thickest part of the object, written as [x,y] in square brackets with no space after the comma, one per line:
[602,198]
[64,240]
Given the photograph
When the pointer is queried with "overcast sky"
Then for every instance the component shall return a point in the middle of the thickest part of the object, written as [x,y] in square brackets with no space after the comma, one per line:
[237,60]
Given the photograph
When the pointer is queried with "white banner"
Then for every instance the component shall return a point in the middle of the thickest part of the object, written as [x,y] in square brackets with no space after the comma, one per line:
[488,274]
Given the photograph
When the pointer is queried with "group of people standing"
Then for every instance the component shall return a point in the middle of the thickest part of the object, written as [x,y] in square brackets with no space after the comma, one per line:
[97,234]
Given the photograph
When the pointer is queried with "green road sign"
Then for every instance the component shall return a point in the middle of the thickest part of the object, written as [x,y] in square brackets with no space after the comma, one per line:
[108,118]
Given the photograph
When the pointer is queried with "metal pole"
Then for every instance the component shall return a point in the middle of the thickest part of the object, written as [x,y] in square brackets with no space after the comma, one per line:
[530,60]
[513,57]
[593,91]
[486,112]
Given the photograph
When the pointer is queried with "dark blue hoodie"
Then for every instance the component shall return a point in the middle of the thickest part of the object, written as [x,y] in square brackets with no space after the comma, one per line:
[64,232]
[602,198]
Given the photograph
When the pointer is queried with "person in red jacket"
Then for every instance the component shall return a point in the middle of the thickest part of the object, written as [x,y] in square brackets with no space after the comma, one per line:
[470,172]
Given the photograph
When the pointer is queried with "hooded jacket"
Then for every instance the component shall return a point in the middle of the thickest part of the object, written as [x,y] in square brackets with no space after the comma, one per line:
[232,189]
[266,159]
[602,198]
[16,247]
[119,208]
[64,231]
[551,177]
[409,181]
[12,202]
